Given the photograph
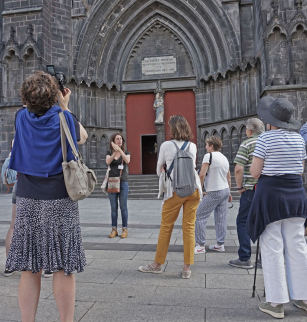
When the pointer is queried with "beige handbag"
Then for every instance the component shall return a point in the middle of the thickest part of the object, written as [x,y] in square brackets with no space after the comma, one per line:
[104,186]
[79,180]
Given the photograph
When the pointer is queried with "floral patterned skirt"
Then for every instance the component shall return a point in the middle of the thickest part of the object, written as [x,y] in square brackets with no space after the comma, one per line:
[47,235]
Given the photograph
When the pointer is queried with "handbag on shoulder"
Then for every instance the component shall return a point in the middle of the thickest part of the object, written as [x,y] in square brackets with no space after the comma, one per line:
[104,185]
[79,180]
[114,183]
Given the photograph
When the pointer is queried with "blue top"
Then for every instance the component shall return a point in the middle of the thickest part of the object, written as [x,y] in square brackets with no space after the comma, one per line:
[303,132]
[37,147]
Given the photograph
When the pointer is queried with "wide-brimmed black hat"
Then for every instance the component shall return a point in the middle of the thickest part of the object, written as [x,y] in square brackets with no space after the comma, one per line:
[277,112]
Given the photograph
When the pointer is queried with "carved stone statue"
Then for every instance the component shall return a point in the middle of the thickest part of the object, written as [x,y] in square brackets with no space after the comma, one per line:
[159,107]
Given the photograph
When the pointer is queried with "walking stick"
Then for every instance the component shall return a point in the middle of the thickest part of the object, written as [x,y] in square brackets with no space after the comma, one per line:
[257,252]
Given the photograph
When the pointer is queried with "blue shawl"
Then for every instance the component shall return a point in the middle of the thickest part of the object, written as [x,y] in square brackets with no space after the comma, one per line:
[37,147]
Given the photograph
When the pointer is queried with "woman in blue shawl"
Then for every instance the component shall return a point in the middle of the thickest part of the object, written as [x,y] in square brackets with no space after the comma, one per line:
[47,234]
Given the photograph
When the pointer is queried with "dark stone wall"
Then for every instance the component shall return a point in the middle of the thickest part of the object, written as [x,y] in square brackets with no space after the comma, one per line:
[229,52]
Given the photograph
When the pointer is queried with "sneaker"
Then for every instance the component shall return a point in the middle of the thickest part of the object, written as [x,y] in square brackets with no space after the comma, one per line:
[149,269]
[301,305]
[241,264]
[8,272]
[277,312]
[48,274]
[199,249]
[218,248]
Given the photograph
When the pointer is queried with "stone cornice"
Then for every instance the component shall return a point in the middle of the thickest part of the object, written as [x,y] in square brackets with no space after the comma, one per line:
[227,121]
[284,88]
[22,11]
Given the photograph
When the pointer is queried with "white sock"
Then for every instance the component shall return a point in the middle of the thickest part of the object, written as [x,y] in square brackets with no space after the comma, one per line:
[274,304]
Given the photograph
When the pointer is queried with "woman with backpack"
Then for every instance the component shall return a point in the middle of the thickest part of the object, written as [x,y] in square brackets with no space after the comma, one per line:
[172,203]
[216,176]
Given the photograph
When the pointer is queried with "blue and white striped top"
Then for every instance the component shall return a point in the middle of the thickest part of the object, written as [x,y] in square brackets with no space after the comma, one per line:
[282,151]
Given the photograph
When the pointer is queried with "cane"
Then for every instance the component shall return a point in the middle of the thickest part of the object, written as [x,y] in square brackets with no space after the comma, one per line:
[257,252]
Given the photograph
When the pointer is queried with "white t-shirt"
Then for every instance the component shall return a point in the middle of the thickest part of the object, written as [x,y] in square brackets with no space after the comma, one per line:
[217,174]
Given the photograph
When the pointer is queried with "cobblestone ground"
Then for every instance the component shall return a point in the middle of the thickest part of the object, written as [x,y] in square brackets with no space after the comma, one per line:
[111,288]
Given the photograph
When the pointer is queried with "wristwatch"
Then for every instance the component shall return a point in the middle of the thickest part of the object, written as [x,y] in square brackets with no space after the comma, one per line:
[240,188]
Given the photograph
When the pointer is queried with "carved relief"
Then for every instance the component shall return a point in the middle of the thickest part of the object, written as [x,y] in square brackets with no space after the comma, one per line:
[299,56]
[158,41]
[278,57]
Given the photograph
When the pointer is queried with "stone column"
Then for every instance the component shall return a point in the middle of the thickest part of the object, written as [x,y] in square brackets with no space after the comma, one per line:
[291,76]
[266,50]
[160,128]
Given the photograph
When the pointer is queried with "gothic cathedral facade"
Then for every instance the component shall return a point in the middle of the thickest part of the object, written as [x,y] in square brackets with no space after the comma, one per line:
[131,64]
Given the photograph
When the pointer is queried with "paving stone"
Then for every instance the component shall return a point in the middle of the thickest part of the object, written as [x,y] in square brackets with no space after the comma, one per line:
[207,268]
[176,257]
[47,310]
[140,313]
[235,282]
[98,276]
[200,297]
[111,254]
[115,293]
[223,257]
[170,278]
[9,308]
[117,264]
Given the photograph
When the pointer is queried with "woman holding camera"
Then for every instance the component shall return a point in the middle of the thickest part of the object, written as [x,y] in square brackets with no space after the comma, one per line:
[117,159]
[47,234]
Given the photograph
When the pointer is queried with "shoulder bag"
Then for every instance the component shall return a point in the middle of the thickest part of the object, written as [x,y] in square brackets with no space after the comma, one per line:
[79,180]
[114,182]
[104,186]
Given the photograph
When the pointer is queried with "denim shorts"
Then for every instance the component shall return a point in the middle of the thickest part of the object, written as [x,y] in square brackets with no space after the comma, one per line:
[14,193]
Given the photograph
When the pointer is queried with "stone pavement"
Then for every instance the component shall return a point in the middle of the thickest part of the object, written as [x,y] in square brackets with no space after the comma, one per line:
[111,288]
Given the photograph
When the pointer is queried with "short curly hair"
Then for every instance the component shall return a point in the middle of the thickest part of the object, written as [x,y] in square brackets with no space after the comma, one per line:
[215,141]
[39,91]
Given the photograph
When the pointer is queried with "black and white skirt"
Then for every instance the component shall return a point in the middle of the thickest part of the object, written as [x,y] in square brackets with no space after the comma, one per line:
[47,235]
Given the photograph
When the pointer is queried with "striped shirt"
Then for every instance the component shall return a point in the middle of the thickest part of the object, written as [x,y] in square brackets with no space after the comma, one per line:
[244,157]
[282,151]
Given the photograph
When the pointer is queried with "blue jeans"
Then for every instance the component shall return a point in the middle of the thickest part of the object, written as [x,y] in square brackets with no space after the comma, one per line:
[122,196]
[245,250]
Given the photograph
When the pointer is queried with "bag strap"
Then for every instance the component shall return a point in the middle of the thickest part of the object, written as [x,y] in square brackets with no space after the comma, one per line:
[210,159]
[121,170]
[169,171]
[65,133]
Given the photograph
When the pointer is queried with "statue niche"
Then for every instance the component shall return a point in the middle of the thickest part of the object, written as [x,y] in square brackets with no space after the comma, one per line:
[278,58]
[159,107]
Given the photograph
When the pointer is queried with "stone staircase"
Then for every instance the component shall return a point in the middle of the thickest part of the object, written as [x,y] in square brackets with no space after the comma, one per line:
[145,187]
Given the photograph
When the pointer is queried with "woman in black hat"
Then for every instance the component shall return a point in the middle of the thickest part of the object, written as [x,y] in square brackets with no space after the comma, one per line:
[279,209]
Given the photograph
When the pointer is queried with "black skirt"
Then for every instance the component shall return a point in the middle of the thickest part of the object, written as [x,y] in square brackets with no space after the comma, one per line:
[276,198]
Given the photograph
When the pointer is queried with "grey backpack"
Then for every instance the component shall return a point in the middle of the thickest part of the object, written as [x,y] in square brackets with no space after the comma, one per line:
[183,181]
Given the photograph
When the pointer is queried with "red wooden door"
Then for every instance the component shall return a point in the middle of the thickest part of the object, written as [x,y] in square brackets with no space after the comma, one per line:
[180,103]
[140,120]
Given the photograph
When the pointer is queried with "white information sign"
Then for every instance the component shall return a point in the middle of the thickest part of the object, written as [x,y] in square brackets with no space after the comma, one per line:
[159,65]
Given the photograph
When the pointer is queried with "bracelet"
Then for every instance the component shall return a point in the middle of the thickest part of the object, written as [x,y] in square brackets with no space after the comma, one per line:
[240,188]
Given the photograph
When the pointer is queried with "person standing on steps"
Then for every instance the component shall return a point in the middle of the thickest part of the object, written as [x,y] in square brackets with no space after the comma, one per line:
[117,159]
[245,186]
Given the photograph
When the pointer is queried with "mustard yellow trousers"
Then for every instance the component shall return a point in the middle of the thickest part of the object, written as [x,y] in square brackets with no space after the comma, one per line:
[170,212]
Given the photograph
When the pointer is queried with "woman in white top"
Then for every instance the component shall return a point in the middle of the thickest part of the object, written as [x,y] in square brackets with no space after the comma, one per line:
[217,185]
[181,132]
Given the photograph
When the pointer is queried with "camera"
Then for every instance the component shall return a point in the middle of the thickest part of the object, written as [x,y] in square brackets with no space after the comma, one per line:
[59,76]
